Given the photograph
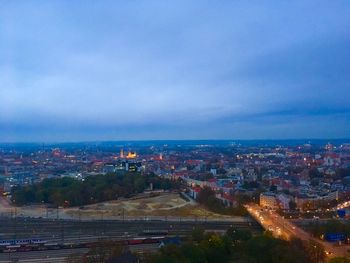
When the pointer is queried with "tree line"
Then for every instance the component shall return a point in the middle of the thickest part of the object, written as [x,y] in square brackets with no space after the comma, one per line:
[207,198]
[235,246]
[240,246]
[332,226]
[68,191]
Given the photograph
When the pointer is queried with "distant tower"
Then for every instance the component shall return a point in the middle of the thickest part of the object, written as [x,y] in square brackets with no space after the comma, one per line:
[161,156]
[121,153]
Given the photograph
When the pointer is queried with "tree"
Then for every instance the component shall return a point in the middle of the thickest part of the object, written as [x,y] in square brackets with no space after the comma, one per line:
[283,254]
[139,184]
[198,234]
[339,260]
[292,205]
[315,182]
[72,192]
[292,252]
[273,188]
[75,258]
[215,249]
[205,194]
[243,199]
[238,234]
[315,173]
[171,253]
[316,252]
[193,253]
[104,251]
[342,172]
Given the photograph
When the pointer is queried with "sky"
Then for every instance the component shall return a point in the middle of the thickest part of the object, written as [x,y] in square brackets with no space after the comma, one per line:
[148,70]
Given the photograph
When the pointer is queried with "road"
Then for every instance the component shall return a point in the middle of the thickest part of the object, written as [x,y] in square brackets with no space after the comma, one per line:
[282,228]
[343,205]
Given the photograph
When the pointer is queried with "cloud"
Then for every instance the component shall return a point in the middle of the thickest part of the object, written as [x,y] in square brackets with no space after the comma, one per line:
[186,69]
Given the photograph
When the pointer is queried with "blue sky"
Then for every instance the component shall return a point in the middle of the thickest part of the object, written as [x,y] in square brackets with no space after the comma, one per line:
[115,70]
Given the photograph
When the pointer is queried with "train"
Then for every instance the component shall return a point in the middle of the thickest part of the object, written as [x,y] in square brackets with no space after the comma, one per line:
[21,242]
[157,232]
[26,245]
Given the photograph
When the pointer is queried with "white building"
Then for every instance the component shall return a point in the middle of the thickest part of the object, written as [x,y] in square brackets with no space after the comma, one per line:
[268,200]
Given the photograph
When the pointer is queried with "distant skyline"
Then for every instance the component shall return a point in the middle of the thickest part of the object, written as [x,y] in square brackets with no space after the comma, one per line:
[155,70]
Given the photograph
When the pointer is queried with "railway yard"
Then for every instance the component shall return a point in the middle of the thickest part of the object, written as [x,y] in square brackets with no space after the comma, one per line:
[60,238]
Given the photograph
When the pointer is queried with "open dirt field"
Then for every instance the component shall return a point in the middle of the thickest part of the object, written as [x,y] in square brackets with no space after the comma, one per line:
[169,204]
[166,205]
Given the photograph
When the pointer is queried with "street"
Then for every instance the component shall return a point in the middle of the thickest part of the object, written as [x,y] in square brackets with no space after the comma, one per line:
[282,228]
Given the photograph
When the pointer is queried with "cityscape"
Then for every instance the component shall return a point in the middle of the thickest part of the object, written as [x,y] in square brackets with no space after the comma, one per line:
[188,131]
[152,193]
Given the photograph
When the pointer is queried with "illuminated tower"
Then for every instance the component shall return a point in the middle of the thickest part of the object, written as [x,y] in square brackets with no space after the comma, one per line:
[121,153]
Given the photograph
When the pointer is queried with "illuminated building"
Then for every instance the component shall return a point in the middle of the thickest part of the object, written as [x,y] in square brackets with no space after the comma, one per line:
[268,200]
[131,155]
[129,166]
[132,167]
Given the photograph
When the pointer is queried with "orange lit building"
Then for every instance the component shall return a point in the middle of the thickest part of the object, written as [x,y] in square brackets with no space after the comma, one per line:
[131,155]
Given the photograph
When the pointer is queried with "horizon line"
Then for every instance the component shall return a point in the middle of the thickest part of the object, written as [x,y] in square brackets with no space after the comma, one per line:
[172,140]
